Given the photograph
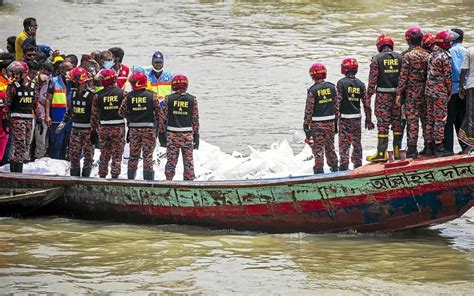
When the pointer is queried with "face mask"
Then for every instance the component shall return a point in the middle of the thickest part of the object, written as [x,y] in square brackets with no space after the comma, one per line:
[108,64]
[158,71]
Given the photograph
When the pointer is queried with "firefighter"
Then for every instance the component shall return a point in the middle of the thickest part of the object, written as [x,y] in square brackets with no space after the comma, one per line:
[383,80]
[180,119]
[141,107]
[319,120]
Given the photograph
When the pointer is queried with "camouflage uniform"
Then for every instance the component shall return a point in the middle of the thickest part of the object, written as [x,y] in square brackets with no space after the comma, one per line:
[437,92]
[179,140]
[350,91]
[321,120]
[142,109]
[411,86]
[111,129]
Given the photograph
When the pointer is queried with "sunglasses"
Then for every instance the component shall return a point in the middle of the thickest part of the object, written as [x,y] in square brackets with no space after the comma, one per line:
[31,55]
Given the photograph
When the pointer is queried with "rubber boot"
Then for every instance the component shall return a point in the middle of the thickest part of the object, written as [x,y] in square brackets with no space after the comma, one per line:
[397,144]
[131,174]
[148,175]
[334,169]
[318,171]
[19,167]
[114,176]
[412,152]
[429,149]
[13,165]
[440,151]
[86,173]
[343,168]
[425,147]
[381,154]
[75,172]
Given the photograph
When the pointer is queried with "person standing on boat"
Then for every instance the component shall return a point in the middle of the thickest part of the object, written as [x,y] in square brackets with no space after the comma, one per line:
[121,70]
[20,104]
[383,81]
[438,91]
[180,118]
[466,92]
[428,42]
[80,110]
[320,119]
[5,80]
[141,107]
[350,92]
[110,126]
[411,85]
[159,80]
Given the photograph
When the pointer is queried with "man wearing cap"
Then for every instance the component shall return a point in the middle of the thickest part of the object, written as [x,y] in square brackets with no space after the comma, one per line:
[159,80]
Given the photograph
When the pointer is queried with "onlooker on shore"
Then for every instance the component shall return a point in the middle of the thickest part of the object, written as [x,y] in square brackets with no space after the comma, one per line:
[30,27]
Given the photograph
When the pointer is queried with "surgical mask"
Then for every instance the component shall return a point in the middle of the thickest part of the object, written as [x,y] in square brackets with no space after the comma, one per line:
[108,64]
[158,71]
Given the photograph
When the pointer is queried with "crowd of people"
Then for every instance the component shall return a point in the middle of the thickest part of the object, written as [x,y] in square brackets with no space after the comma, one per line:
[431,83]
[64,107]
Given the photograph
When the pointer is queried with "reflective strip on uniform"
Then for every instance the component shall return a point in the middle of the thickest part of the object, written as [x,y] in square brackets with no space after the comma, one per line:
[112,122]
[141,124]
[81,125]
[386,89]
[323,118]
[179,129]
[21,115]
[348,116]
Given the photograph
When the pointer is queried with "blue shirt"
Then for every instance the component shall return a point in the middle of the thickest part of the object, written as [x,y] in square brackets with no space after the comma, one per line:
[457,52]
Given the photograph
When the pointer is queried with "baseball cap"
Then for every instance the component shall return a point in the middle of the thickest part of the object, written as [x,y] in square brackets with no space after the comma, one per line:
[157,57]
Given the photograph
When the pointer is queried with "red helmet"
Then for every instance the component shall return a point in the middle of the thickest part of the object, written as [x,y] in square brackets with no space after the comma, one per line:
[318,71]
[18,67]
[444,39]
[412,31]
[384,39]
[179,82]
[78,75]
[428,41]
[138,80]
[349,65]
[106,77]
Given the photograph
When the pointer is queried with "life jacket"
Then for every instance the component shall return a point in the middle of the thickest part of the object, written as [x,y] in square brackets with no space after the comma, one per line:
[352,93]
[109,100]
[324,95]
[59,99]
[161,86]
[81,102]
[4,82]
[140,107]
[22,103]
[180,108]
[389,64]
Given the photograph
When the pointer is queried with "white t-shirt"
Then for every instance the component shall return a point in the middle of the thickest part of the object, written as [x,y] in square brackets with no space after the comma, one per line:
[468,63]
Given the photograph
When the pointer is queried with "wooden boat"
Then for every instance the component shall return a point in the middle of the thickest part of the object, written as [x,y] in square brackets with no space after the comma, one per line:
[377,197]
[24,201]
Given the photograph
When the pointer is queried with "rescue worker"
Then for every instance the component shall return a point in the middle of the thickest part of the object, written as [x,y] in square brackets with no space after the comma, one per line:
[121,70]
[350,92]
[142,110]
[20,104]
[159,80]
[110,126]
[428,42]
[411,85]
[437,92]
[408,33]
[80,111]
[383,80]
[180,119]
[319,120]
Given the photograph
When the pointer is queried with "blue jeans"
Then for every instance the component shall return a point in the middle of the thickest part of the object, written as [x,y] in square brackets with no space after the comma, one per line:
[55,141]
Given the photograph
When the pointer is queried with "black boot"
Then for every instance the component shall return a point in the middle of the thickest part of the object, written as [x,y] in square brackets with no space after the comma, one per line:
[12,167]
[357,165]
[397,144]
[412,152]
[86,173]
[430,149]
[148,175]
[381,154]
[425,147]
[343,168]
[131,174]
[19,167]
[334,169]
[114,176]
[75,172]
[440,151]
[318,171]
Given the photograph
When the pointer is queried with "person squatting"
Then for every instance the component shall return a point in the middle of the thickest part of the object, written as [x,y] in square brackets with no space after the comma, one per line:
[414,86]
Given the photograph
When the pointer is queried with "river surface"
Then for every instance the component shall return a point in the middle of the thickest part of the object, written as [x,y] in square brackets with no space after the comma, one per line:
[247,62]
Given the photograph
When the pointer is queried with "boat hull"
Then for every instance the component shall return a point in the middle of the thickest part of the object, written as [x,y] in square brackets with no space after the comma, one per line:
[375,198]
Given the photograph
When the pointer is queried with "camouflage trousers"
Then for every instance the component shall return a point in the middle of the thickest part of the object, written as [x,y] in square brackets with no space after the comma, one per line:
[387,113]
[415,110]
[436,115]
[80,144]
[21,130]
[323,137]
[142,141]
[112,143]
[350,134]
[179,142]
